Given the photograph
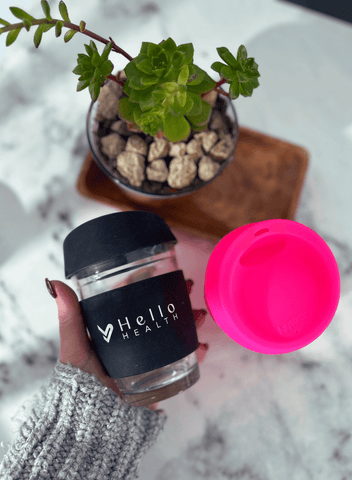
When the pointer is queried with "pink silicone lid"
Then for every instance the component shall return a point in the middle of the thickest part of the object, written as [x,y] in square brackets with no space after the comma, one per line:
[272,286]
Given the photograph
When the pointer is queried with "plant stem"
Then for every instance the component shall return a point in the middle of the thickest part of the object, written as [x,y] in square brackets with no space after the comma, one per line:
[220,82]
[112,77]
[219,90]
[72,26]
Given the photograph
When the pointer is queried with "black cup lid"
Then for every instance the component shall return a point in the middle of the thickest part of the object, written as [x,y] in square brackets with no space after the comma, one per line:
[104,238]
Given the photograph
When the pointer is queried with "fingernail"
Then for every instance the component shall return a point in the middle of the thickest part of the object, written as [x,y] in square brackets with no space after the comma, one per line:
[50,288]
[204,346]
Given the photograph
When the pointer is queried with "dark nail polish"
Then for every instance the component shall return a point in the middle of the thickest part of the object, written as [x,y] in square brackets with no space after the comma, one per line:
[50,288]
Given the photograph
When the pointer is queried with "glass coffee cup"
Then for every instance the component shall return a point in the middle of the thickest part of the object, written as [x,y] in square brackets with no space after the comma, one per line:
[135,304]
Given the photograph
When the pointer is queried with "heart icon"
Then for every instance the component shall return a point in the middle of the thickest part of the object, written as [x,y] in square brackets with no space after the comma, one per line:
[107,332]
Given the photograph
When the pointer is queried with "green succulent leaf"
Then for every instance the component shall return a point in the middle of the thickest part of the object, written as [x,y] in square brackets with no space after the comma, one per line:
[144,48]
[178,60]
[153,50]
[242,78]
[128,91]
[135,83]
[89,50]
[181,98]
[147,102]
[188,107]
[147,80]
[4,22]
[246,89]
[82,26]
[139,96]
[196,75]
[58,27]
[106,68]
[254,81]
[106,52]
[131,70]
[178,106]
[38,35]
[217,66]
[199,128]
[96,76]
[188,50]
[197,103]
[229,73]
[46,9]
[150,122]
[176,129]
[11,36]
[82,85]
[93,46]
[168,45]
[137,114]
[126,109]
[68,35]
[234,90]
[241,54]
[27,24]
[87,75]
[159,95]
[48,26]
[203,117]
[21,14]
[144,65]
[94,90]
[183,76]
[85,61]
[169,87]
[63,11]
[78,70]
[175,109]
[227,56]
[96,59]
[204,86]
[161,60]
[168,73]
[251,63]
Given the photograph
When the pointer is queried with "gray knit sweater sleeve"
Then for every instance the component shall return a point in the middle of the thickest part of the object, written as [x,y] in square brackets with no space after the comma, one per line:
[79,429]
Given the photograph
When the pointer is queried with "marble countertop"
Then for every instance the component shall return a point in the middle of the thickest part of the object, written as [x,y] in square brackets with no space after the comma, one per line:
[250,416]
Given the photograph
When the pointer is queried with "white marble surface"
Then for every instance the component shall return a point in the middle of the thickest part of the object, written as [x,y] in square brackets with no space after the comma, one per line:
[250,416]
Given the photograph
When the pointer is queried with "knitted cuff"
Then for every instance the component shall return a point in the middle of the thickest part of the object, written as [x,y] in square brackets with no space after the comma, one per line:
[81,429]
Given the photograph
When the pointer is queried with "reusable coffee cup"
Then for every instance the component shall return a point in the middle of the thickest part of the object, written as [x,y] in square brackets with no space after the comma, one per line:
[135,303]
[272,286]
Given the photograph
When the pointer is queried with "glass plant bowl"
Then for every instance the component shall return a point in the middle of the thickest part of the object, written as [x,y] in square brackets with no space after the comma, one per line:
[145,193]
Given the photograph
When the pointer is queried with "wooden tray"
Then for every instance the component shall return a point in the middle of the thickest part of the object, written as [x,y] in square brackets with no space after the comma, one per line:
[263,182]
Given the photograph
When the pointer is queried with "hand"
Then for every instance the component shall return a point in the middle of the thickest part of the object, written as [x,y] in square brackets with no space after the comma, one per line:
[75,344]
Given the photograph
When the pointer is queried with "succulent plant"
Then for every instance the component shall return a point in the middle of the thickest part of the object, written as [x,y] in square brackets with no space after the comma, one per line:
[164,89]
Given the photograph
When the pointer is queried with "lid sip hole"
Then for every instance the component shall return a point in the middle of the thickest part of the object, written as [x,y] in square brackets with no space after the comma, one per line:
[260,232]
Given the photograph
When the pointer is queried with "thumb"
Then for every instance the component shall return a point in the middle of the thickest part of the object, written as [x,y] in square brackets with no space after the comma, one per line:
[74,342]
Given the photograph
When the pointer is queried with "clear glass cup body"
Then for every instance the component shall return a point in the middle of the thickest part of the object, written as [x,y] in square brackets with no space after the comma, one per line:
[153,386]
